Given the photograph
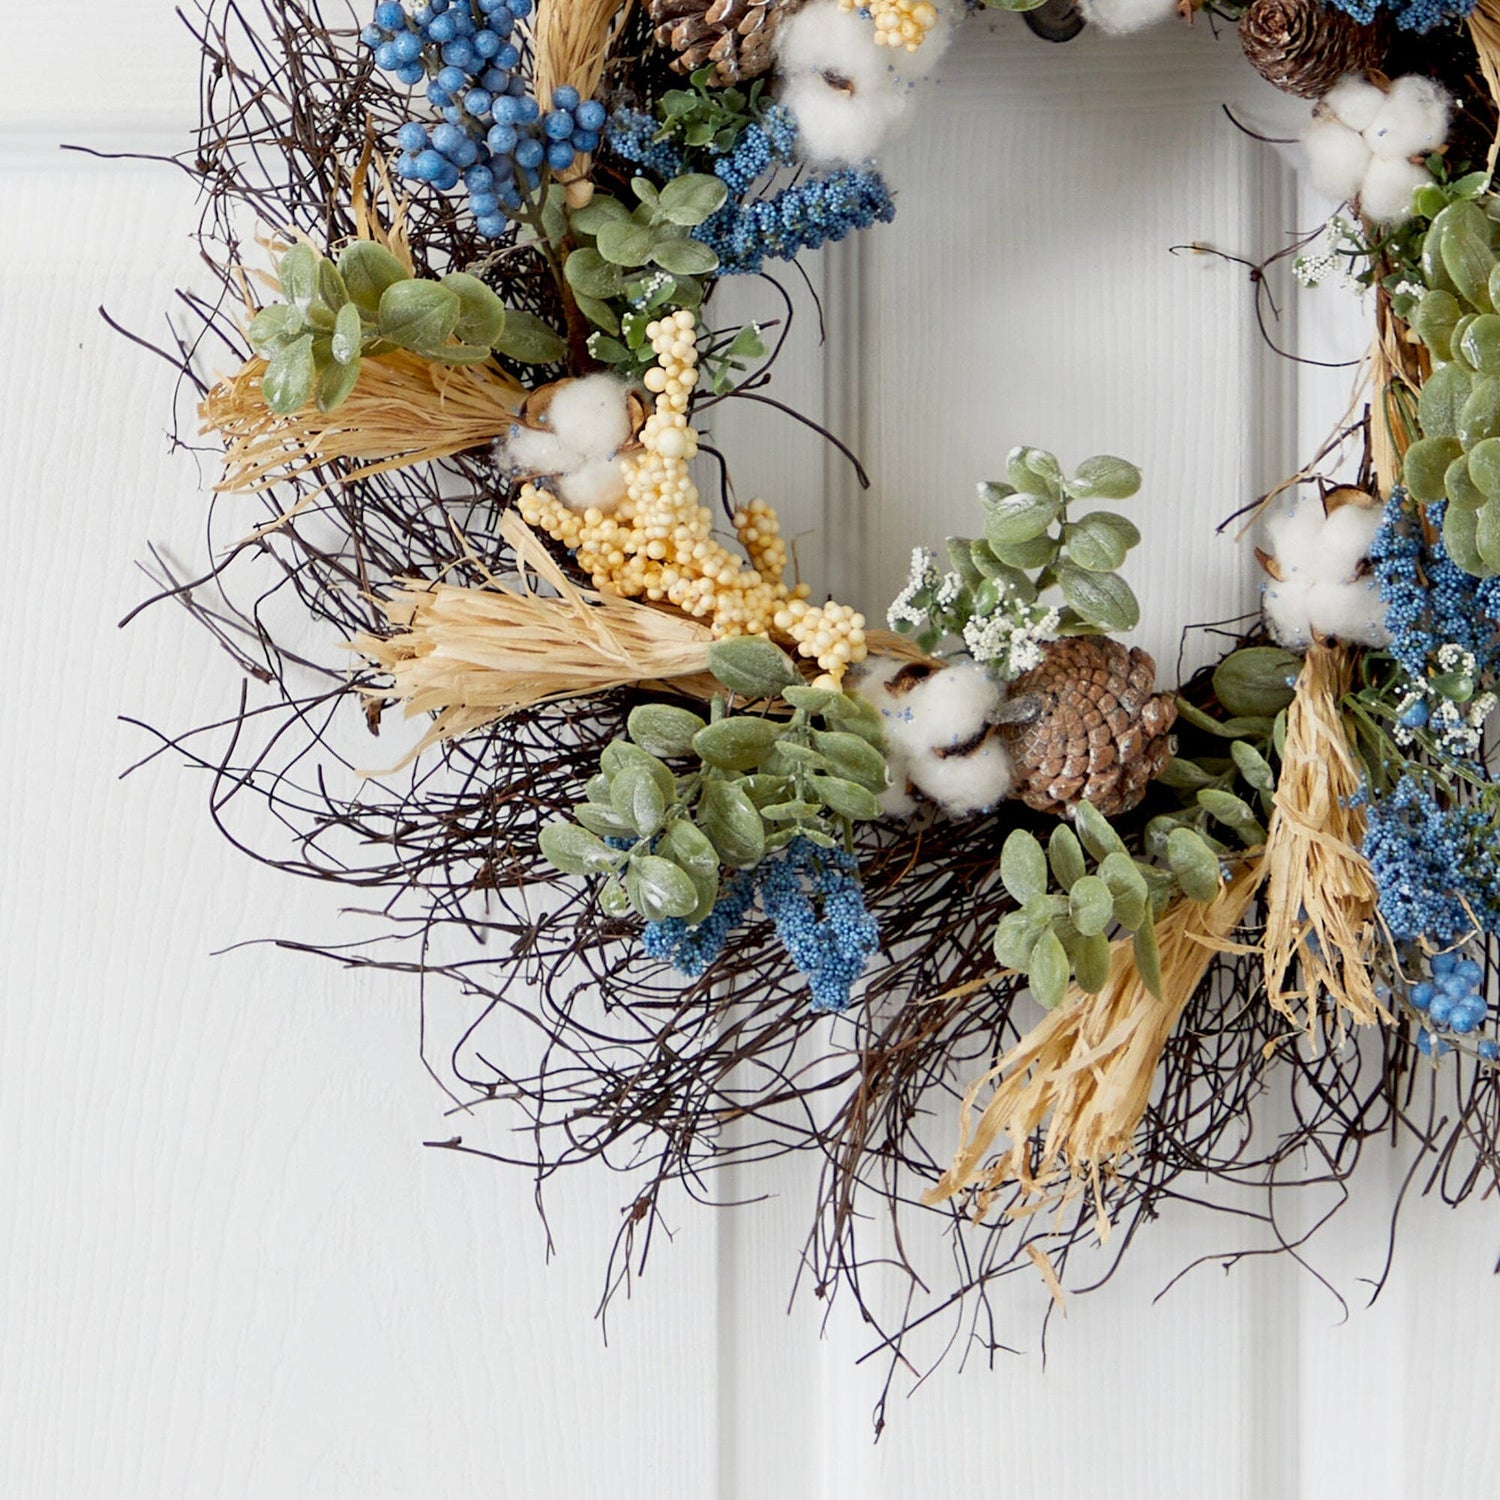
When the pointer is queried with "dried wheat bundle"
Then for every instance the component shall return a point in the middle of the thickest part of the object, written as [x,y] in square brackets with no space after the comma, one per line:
[1484,32]
[1320,892]
[405,410]
[1078,1082]
[470,656]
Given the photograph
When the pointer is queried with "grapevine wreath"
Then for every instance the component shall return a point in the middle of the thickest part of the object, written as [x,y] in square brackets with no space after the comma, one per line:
[969,905]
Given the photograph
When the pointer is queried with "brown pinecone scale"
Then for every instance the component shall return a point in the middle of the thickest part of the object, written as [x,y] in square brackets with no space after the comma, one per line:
[1098,734]
[737,36]
[1304,46]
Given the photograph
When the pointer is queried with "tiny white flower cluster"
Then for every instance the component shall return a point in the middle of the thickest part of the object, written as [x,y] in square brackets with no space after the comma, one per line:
[924,576]
[1011,642]
[1457,727]
[1333,256]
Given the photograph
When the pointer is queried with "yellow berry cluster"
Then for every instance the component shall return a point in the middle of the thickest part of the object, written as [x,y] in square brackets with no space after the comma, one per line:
[898,23]
[659,544]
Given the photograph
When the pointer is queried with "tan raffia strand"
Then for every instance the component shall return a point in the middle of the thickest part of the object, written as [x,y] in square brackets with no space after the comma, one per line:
[1082,1077]
[472,655]
[1398,366]
[1320,891]
[405,410]
[572,39]
[1484,29]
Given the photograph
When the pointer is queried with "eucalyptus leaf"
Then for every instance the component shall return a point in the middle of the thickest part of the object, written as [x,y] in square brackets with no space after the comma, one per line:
[659,889]
[588,272]
[604,821]
[1091,905]
[1253,766]
[662,729]
[635,795]
[1102,599]
[1015,938]
[287,384]
[600,210]
[417,314]
[619,754]
[481,314]
[1048,970]
[1127,886]
[736,744]
[1194,864]
[691,198]
[752,666]
[348,334]
[1258,681]
[1096,543]
[1091,956]
[575,850]
[1018,518]
[846,798]
[683,256]
[297,271]
[1094,829]
[527,339]
[368,269]
[624,243]
[733,825]
[1065,855]
[1148,958]
[1023,866]
[851,757]
[1105,478]
[272,326]
[1461,537]
[1426,463]
[336,382]
[1440,402]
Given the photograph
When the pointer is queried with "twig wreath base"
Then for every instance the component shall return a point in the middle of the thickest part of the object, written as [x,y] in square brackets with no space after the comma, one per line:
[399,475]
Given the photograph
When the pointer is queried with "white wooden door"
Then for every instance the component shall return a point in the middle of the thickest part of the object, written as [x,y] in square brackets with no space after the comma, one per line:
[229,1266]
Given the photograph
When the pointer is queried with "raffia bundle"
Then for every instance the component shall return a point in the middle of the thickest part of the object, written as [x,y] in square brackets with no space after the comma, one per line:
[1484,30]
[472,655]
[405,410]
[1082,1077]
[1320,892]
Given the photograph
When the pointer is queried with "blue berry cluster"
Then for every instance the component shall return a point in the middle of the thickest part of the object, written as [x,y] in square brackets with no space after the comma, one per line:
[1433,864]
[495,137]
[690,950]
[1409,15]
[813,896]
[1429,600]
[1452,1001]
[800,217]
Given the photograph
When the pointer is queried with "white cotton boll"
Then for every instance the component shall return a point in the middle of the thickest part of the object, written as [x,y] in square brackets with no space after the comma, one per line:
[1413,120]
[599,482]
[1120,17]
[1287,615]
[530,450]
[1385,194]
[1294,536]
[1337,157]
[965,784]
[1355,100]
[896,801]
[1345,542]
[820,37]
[590,416]
[1352,612]
[836,125]
[951,707]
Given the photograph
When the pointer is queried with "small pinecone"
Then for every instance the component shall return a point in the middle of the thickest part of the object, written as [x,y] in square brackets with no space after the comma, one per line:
[1099,735]
[1305,46]
[736,36]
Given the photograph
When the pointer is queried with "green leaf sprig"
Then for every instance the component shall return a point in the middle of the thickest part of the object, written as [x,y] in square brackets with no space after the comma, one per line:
[703,117]
[337,314]
[1033,542]
[680,796]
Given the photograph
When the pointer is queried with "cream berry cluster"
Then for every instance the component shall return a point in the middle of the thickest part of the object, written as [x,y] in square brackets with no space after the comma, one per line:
[898,23]
[658,544]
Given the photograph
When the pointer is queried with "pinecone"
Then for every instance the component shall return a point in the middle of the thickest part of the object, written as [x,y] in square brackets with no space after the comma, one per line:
[1305,46]
[736,36]
[1099,734]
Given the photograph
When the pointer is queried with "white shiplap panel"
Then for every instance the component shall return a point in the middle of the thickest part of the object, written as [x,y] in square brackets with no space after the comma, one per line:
[230,1268]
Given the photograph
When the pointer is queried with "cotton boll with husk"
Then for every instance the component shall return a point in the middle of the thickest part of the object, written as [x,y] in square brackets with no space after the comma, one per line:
[1121,17]
[1385,195]
[845,91]
[1337,157]
[941,738]
[1411,121]
[584,425]
[1320,584]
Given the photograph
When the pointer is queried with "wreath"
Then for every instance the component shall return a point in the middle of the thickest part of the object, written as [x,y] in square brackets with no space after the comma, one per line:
[967,905]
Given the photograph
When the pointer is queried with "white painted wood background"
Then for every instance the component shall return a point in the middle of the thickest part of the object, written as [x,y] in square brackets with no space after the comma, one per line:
[228,1267]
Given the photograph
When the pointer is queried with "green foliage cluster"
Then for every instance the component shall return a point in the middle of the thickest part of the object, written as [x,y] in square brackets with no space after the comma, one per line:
[706,118]
[1457,458]
[1036,541]
[336,314]
[1061,934]
[1067,911]
[746,784]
